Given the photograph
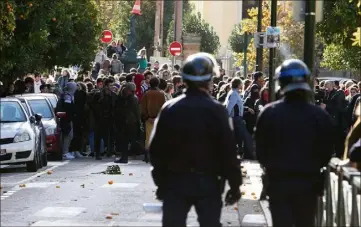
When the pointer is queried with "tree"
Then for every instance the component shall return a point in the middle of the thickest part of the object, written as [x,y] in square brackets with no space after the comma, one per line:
[194,24]
[145,22]
[7,23]
[336,57]
[292,33]
[342,51]
[236,40]
[49,33]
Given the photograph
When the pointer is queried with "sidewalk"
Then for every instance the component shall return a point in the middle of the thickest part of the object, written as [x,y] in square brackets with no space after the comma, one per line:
[251,191]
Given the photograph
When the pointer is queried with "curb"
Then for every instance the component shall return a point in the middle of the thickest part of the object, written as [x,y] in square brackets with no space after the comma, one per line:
[266,211]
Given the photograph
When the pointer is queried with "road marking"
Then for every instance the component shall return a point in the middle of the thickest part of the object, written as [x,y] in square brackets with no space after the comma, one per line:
[71,223]
[120,185]
[60,212]
[41,173]
[32,185]
[39,184]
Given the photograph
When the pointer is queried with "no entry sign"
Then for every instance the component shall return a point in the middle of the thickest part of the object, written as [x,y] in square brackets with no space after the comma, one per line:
[107,36]
[175,48]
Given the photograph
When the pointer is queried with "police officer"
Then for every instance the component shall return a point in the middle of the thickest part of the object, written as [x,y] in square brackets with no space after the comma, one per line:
[193,151]
[293,143]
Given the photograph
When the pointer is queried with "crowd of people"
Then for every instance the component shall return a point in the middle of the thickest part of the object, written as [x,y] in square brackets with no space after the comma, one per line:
[110,110]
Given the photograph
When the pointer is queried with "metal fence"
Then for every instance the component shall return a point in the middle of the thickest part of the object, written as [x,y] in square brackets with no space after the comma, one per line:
[340,205]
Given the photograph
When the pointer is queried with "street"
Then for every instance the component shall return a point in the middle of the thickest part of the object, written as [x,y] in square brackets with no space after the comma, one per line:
[76,193]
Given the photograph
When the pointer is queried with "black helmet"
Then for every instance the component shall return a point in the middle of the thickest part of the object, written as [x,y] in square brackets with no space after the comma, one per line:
[200,67]
[293,74]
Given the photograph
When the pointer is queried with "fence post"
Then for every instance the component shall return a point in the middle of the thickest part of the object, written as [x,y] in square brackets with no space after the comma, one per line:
[340,211]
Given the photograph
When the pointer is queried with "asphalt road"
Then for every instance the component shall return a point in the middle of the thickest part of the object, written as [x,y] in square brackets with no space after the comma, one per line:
[69,193]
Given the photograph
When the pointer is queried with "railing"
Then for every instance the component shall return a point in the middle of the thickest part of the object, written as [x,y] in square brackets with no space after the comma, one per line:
[340,205]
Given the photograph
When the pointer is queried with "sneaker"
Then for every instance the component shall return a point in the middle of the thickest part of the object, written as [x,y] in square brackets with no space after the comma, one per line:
[68,156]
[77,154]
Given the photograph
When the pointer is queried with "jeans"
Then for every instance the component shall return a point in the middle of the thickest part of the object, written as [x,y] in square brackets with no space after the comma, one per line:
[91,143]
[67,140]
[243,137]
[186,190]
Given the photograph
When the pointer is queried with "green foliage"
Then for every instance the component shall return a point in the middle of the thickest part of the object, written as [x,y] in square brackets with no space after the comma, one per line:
[337,30]
[336,57]
[194,24]
[49,33]
[236,40]
[145,22]
[340,21]
[7,23]
[292,33]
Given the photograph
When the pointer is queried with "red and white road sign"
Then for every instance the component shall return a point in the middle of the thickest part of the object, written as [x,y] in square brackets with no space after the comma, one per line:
[175,48]
[107,36]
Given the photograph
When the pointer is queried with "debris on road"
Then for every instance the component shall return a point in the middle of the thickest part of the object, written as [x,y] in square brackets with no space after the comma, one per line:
[22,186]
[50,172]
[130,174]
[110,182]
[109,217]
[114,214]
[111,170]
[57,186]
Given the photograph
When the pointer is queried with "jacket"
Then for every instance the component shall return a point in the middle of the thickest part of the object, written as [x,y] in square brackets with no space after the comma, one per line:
[193,134]
[152,102]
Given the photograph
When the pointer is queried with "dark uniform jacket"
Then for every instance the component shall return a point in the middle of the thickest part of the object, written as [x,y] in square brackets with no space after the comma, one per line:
[192,134]
[293,142]
[102,105]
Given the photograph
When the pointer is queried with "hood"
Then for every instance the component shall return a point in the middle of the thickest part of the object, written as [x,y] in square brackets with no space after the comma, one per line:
[9,130]
[71,88]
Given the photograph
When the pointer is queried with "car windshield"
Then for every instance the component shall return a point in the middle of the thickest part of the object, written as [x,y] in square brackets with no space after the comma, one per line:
[11,111]
[52,100]
[41,107]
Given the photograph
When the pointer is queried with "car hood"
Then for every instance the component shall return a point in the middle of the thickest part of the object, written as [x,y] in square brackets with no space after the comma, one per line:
[9,130]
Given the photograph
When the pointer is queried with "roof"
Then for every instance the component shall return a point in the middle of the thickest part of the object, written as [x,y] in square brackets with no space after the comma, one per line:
[31,97]
[9,99]
[335,78]
[38,94]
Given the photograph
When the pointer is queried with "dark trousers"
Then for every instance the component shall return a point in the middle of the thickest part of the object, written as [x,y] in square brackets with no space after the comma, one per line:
[78,139]
[243,138]
[186,190]
[101,132]
[296,210]
[123,141]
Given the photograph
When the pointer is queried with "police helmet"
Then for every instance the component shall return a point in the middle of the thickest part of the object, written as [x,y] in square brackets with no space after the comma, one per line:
[293,74]
[200,67]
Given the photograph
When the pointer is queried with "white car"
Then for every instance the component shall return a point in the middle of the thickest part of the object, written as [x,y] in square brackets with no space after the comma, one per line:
[21,139]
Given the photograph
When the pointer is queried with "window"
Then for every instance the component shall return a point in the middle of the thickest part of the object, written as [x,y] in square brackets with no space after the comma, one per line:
[52,100]
[41,107]
[11,112]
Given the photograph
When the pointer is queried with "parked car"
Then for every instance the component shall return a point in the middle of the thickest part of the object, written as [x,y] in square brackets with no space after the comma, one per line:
[39,104]
[340,79]
[53,98]
[21,137]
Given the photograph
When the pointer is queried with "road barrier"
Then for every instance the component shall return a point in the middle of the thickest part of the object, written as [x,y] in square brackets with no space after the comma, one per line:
[340,205]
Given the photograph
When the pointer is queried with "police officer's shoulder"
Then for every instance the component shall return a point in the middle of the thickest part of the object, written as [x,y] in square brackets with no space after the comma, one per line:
[270,108]
[171,103]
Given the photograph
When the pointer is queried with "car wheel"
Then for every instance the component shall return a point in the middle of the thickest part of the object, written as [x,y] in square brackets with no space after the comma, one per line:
[40,154]
[33,165]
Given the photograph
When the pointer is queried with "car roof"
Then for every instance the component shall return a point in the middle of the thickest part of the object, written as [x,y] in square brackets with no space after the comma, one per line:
[9,99]
[37,94]
[335,78]
[32,97]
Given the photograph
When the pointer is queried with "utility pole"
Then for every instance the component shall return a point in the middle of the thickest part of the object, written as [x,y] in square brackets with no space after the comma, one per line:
[178,20]
[272,53]
[309,41]
[161,27]
[259,53]
[158,5]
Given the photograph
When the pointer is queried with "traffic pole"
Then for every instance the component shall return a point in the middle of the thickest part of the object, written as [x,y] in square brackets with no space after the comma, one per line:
[245,69]
[309,40]
[272,54]
[259,53]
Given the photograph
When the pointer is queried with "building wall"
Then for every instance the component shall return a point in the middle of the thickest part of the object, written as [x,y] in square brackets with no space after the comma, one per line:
[222,15]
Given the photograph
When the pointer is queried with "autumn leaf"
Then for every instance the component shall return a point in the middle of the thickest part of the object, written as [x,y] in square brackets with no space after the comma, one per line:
[357,37]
